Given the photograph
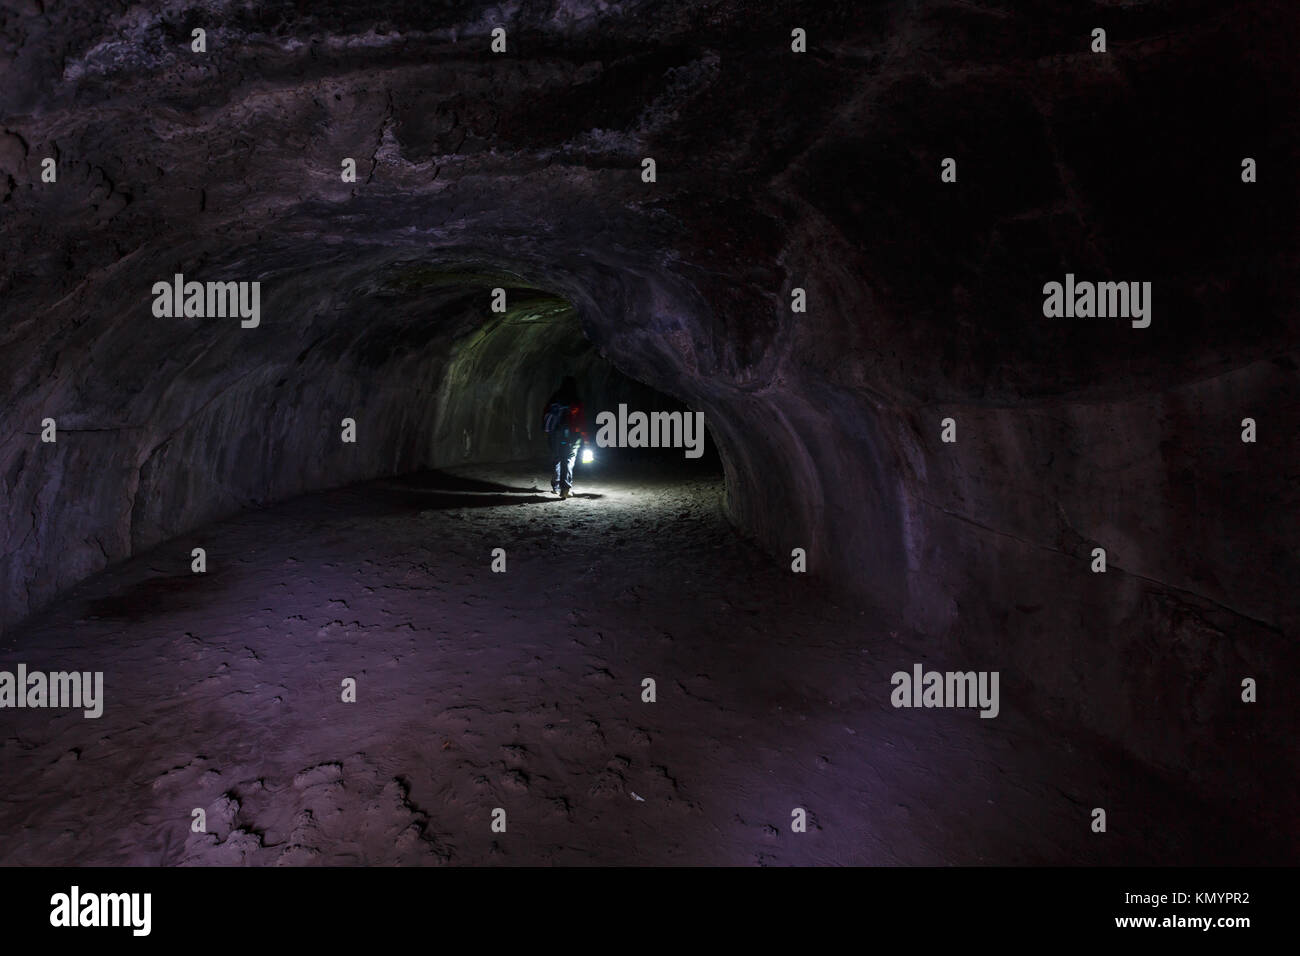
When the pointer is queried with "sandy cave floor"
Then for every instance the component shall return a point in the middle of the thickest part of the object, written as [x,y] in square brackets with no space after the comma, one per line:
[522,691]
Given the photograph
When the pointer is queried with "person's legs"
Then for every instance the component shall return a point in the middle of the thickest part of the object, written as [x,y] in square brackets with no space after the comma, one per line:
[571,456]
[556,449]
[563,457]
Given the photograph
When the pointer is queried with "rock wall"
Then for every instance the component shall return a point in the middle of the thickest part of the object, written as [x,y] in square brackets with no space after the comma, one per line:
[775,172]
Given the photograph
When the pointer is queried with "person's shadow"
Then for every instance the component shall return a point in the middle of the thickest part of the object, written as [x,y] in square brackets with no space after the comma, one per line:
[428,490]
[441,481]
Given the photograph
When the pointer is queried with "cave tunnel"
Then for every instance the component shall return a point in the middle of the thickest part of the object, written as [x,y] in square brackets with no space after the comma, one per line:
[313,551]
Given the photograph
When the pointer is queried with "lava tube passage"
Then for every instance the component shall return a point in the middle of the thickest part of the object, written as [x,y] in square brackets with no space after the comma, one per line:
[651,434]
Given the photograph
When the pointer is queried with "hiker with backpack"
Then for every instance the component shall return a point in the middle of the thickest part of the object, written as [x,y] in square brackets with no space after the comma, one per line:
[566,430]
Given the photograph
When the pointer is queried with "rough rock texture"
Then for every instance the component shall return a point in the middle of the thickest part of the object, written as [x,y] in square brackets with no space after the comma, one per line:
[775,171]
[521,691]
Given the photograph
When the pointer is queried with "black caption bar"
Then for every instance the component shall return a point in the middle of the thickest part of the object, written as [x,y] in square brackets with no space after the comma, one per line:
[131,907]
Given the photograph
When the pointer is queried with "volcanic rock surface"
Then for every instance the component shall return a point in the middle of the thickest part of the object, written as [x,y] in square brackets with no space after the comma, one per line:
[775,171]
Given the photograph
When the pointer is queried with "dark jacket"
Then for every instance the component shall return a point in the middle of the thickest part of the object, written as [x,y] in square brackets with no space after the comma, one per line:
[577,418]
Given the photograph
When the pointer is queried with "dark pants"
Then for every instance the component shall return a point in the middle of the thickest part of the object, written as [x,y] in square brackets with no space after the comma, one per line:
[563,455]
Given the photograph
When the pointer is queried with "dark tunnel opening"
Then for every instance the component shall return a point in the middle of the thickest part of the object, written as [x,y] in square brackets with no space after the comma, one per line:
[500,376]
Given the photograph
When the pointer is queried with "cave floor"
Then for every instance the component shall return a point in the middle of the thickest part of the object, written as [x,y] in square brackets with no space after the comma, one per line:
[522,691]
